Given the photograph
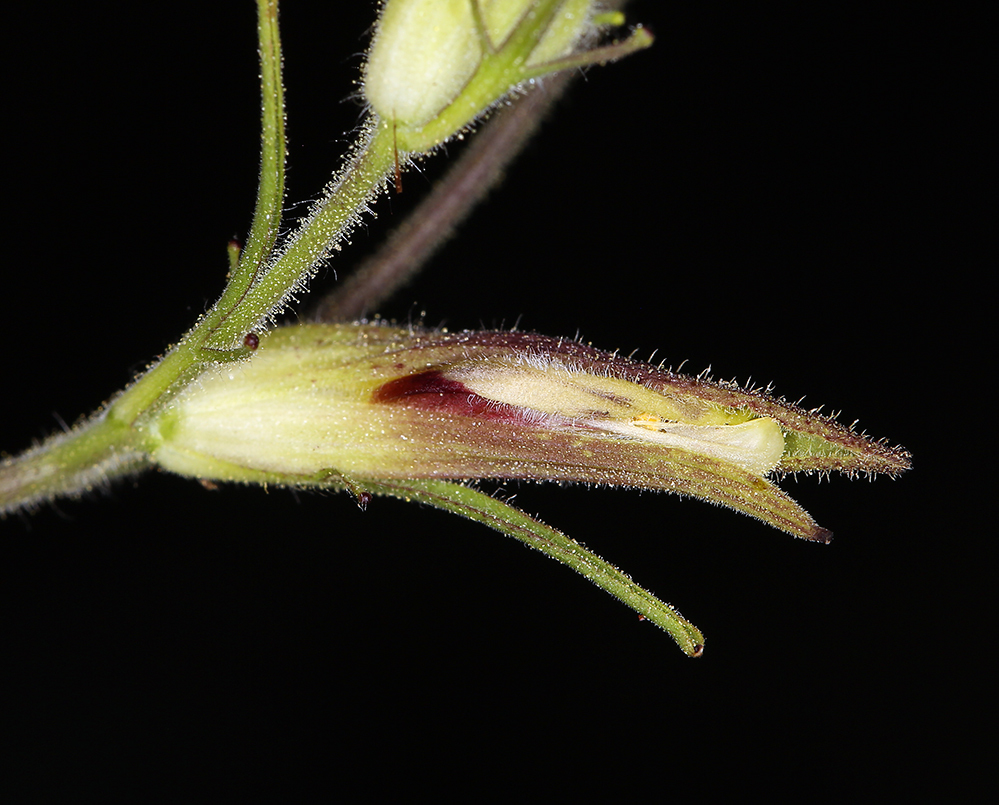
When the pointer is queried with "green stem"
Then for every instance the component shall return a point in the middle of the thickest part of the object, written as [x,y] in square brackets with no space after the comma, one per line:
[506,519]
[111,442]
[481,167]
[321,232]
[256,294]
[219,333]
[273,152]
[70,464]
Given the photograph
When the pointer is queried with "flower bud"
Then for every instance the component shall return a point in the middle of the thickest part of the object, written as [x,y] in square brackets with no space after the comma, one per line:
[436,65]
[424,52]
[341,405]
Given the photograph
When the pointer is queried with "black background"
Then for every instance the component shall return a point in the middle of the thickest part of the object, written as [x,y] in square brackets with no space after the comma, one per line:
[780,191]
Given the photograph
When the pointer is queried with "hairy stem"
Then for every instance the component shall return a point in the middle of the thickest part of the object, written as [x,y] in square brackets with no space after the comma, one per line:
[480,169]
[273,152]
[325,226]
[112,441]
[70,464]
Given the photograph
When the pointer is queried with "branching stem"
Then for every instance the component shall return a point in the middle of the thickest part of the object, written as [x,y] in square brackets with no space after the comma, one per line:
[112,441]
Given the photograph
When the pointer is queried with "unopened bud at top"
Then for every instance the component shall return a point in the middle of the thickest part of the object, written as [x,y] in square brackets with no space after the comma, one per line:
[435,65]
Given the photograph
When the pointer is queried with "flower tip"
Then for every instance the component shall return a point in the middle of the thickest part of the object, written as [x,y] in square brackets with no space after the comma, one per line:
[643,36]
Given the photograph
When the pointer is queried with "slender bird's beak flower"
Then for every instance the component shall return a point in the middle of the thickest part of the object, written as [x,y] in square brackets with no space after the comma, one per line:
[436,65]
[350,405]
[416,414]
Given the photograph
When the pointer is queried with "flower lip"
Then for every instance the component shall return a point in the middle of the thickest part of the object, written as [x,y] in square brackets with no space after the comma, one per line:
[482,362]
[548,391]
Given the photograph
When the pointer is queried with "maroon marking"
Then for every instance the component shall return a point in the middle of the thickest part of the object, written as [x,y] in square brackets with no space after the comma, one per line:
[252,341]
[431,390]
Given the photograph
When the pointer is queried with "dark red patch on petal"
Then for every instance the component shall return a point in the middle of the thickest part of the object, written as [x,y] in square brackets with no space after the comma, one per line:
[433,391]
